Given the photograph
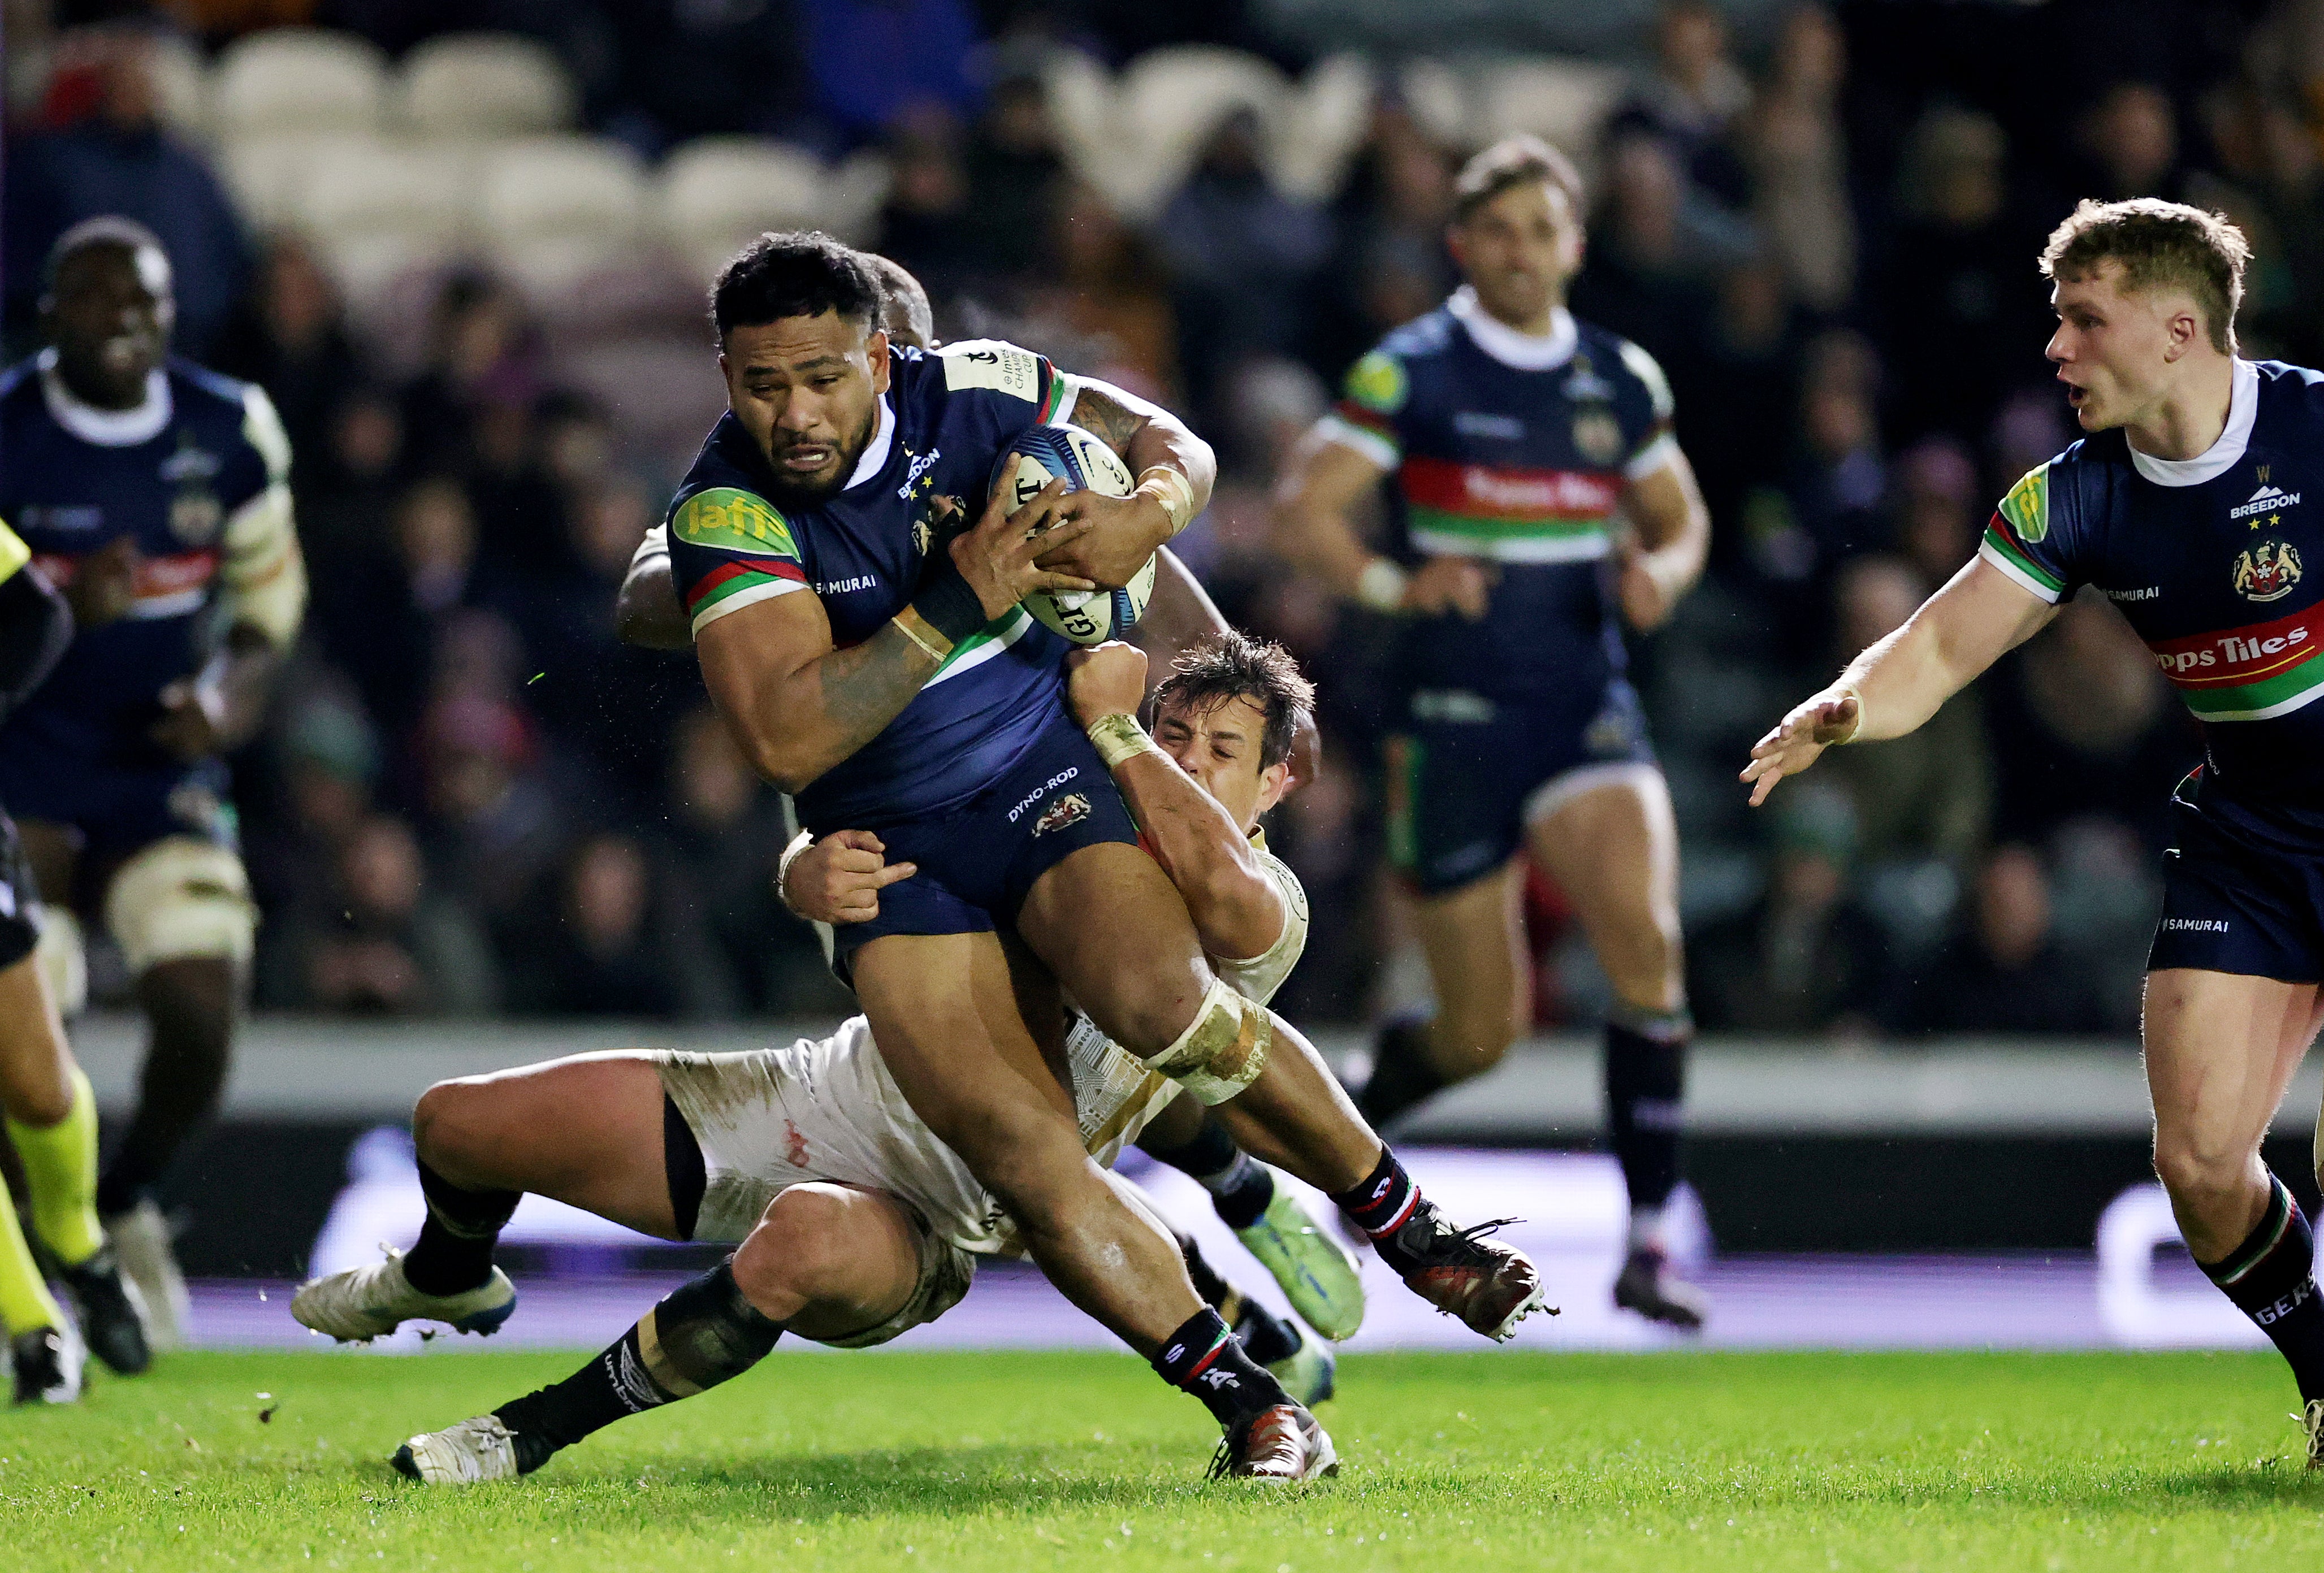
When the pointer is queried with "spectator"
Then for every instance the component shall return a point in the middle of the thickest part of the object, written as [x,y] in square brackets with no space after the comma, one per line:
[1013,170]
[495,826]
[602,956]
[2130,138]
[119,159]
[1655,250]
[1940,513]
[328,767]
[922,224]
[1694,99]
[1804,958]
[1928,795]
[1829,508]
[1799,163]
[291,339]
[394,947]
[1109,288]
[2006,972]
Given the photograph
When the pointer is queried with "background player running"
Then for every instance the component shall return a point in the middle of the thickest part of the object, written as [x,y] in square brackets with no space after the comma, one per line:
[2192,505]
[1305,1261]
[154,494]
[51,1113]
[1514,436]
[856,1223]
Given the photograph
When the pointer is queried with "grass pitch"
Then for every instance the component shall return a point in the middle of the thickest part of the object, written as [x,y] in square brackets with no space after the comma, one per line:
[1013,1461]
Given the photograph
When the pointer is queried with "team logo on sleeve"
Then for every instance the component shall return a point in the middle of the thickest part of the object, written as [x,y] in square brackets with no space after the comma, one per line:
[1377,384]
[1071,809]
[727,518]
[2268,571]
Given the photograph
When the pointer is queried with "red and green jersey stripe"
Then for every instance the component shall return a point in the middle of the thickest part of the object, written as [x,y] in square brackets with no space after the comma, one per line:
[2252,673]
[1520,515]
[731,587]
[2020,523]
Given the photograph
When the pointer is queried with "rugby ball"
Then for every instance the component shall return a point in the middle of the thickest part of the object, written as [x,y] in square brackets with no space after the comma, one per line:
[1038,455]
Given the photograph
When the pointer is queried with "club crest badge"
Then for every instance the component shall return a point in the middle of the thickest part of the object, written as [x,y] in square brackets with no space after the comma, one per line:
[2267,571]
[1598,435]
[1071,809]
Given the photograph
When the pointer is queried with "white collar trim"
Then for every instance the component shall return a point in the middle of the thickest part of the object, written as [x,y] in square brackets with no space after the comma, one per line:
[2242,408]
[107,429]
[1525,351]
[875,452]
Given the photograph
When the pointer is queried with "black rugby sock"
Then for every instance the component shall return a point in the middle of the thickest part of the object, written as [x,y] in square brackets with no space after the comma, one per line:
[2271,1279]
[702,1333]
[1266,1336]
[1385,1207]
[1645,1084]
[1402,1073]
[1203,1357]
[1239,1187]
[455,1249]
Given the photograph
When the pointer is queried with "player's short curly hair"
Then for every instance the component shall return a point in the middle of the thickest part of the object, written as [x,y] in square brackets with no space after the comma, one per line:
[1232,665]
[793,274]
[1521,159]
[2158,244]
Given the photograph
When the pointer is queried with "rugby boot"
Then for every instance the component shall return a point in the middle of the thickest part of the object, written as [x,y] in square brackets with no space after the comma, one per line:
[1308,1372]
[47,1364]
[140,1239]
[2312,1420]
[1281,1445]
[1489,1286]
[1317,1273]
[111,1313]
[1649,1287]
[362,1303]
[468,1454]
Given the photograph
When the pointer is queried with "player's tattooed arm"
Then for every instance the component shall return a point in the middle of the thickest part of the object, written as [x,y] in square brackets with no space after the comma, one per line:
[1672,541]
[797,706]
[1174,469]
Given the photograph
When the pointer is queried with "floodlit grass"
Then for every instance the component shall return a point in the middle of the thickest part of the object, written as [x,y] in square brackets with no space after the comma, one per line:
[1009,1461]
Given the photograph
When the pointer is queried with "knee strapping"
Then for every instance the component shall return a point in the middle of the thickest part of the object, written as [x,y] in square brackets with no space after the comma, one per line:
[704,1332]
[181,898]
[1224,1050]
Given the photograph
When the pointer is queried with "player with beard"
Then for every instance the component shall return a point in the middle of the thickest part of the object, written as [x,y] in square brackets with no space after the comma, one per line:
[864,643]
[1305,1261]
[2185,506]
[1512,444]
[155,495]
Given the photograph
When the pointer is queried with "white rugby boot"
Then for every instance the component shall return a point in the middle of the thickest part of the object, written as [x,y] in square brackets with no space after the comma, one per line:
[2312,1420]
[467,1454]
[362,1303]
[1316,1272]
[1280,1446]
[47,1364]
[141,1243]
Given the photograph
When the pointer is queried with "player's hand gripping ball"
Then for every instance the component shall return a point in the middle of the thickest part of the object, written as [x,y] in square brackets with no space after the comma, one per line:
[1038,455]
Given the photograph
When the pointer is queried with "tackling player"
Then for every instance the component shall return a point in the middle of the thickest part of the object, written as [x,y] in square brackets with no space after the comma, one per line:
[1309,1265]
[2185,506]
[155,495]
[856,1223]
[1514,435]
[51,1113]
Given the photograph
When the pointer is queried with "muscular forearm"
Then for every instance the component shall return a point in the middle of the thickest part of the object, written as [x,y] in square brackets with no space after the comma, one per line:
[1902,680]
[1208,858]
[799,724]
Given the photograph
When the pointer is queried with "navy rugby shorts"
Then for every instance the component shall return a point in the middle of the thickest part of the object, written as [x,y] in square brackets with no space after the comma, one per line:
[2242,892]
[978,862]
[1465,774]
[20,903]
[121,810]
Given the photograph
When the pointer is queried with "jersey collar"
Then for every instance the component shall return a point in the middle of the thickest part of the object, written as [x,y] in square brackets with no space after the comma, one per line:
[875,452]
[2242,408]
[107,429]
[1525,352]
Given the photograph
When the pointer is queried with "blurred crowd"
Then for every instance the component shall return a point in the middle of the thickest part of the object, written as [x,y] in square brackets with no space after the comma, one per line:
[1824,222]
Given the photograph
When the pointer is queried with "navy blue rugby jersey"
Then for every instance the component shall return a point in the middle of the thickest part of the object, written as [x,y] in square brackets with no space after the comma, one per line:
[1517,449]
[946,417]
[2206,557]
[197,476]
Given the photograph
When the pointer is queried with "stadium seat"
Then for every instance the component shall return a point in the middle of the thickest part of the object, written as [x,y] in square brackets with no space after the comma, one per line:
[479,85]
[1562,101]
[662,392]
[264,173]
[297,78]
[377,210]
[182,86]
[541,187]
[717,192]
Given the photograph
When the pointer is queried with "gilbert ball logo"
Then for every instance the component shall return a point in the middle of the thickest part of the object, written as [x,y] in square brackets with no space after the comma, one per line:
[2268,571]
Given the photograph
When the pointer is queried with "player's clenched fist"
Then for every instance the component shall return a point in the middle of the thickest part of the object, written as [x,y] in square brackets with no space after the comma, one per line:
[997,556]
[1799,738]
[1446,584]
[838,879]
[1107,679]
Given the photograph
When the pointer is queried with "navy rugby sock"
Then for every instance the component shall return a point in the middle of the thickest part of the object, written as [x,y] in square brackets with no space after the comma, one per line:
[1203,1357]
[1645,1082]
[1239,1187]
[2271,1279]
[455,1250]
[702,1333]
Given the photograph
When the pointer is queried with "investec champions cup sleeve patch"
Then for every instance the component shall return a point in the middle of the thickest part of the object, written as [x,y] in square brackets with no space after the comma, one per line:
[2017,540]
[1372,397]
[754,557]
[1004,368]
[14,553]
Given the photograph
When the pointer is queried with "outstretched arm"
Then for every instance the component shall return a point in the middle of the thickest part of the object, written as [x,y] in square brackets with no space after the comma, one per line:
[798,705]
[1900,681]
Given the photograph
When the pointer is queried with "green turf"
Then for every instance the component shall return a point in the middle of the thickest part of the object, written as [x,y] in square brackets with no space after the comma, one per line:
[1007,1461]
